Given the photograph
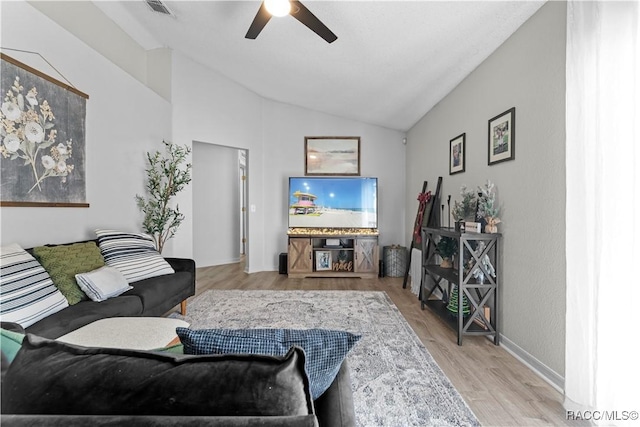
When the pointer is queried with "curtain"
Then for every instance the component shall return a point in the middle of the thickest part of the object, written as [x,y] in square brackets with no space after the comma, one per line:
[603,209]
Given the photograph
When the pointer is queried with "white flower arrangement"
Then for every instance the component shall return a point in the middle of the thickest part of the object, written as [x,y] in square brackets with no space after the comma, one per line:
[26,129]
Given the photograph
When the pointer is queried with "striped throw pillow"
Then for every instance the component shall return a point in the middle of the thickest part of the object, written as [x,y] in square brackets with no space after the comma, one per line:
[27,292]
[133,254]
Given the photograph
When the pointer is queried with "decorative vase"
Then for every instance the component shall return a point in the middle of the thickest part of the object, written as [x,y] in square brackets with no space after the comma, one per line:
[446,263]
[492,225]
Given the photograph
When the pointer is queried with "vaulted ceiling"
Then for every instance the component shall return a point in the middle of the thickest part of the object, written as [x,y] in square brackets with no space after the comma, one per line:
[392,62]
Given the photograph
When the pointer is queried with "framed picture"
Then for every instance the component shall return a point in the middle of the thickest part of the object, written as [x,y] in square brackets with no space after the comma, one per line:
[457,154]
[502,137]
[323,260]
[42,146]
[332,155]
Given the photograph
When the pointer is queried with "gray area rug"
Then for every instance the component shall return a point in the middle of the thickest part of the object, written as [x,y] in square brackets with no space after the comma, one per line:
[395,380]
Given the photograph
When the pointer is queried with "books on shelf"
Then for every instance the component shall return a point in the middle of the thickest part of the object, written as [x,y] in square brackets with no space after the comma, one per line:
[487,314]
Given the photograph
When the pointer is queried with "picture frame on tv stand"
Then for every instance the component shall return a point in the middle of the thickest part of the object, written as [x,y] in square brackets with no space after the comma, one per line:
[323,260]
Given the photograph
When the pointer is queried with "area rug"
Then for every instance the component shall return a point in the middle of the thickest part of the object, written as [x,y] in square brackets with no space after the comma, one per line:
[395,380]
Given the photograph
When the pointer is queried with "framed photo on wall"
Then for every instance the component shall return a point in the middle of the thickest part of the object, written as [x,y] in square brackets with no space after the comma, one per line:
[457,154]
[502,137]
[323,260]
[332,155]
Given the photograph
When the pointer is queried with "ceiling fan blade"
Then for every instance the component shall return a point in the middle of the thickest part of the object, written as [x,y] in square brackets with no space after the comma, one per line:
[304,15]
[261,19]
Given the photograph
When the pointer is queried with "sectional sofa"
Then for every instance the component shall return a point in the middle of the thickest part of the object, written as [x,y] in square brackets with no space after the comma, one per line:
[51,383]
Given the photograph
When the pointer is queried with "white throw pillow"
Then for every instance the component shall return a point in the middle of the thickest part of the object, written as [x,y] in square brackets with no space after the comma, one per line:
[134,254]
[104,283]
[27,293]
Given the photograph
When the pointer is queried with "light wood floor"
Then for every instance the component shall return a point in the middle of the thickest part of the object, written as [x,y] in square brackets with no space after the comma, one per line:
[500,390]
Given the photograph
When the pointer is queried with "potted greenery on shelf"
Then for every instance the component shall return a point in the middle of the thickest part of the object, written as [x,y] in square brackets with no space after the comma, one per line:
[165,178]
[447,248]
[464,210]
[488,208]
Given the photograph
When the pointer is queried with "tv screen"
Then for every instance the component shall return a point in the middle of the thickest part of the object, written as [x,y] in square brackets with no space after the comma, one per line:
[333,202]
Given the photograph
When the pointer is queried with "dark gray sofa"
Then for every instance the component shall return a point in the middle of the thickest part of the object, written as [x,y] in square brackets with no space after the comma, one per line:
[334,408]
[39,389]
[155,297]
[149,297]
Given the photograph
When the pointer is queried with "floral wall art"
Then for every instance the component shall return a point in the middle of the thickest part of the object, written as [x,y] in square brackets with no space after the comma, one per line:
[42,139]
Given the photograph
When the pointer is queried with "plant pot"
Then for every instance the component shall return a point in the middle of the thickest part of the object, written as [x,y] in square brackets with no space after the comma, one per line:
[446,263]
[460,226]
[490,228]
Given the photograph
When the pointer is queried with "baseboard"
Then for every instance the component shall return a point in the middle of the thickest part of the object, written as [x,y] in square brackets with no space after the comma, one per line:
[543,371]
[220,262]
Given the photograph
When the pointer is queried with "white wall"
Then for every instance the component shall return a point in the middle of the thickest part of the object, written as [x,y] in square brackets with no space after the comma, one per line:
[212,109]
[124,120]
[381,154]
[526,72]
[216,205]
[86,21]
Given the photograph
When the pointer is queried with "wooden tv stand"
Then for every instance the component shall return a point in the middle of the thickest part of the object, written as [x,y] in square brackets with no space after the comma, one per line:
[333,253]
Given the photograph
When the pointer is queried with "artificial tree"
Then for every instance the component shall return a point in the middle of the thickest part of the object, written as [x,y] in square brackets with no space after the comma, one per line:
[166,177]
[465,209]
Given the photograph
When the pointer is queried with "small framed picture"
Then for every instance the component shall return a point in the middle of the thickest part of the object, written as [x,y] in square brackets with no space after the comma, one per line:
[457,154]
[323,260]
[502,137]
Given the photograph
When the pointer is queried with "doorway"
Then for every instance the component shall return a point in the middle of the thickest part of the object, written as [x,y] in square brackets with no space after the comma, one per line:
[219,193]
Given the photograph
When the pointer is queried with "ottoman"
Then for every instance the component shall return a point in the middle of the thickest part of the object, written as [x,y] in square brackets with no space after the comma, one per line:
[135,333]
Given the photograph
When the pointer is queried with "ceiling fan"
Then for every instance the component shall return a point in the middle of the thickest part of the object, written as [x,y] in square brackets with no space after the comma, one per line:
[293,8]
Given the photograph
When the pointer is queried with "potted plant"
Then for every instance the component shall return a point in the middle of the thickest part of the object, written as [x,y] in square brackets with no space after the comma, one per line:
[488,208]
[447,248]
[465,209]
[165,178]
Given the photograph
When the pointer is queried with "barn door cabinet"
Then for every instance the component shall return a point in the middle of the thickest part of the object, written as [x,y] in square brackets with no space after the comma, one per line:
[333,256]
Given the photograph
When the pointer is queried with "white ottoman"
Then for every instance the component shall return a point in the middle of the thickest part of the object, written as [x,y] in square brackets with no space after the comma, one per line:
[136,333]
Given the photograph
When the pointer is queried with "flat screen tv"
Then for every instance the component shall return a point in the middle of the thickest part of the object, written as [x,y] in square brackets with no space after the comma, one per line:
[333,202]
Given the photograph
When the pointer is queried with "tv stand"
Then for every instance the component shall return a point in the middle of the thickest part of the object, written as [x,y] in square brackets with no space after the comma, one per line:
[333,253]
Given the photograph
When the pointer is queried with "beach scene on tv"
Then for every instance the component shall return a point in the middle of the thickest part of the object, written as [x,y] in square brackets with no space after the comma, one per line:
[333,202]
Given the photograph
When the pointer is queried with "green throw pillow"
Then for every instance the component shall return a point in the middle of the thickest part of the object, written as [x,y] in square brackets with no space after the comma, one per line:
[63,262]
[174,349]
[10,343]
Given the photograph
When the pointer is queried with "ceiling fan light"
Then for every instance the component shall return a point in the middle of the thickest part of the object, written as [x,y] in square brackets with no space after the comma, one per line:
[278,7]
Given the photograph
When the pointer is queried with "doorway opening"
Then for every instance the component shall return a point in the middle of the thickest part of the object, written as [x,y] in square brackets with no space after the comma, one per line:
[220,197]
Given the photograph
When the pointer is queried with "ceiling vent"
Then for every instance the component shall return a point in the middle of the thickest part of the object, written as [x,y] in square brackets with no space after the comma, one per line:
[158,6]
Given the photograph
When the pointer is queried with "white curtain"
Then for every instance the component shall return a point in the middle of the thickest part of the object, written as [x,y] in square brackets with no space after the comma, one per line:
[602,372]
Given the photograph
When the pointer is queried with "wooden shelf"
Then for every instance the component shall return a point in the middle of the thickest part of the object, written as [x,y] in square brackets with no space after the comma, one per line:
[449,274]
[439,307]
[478,294]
